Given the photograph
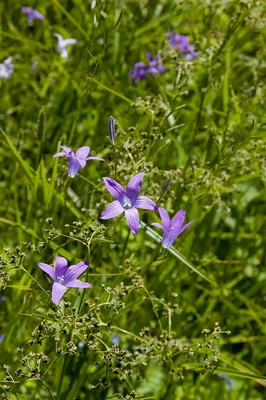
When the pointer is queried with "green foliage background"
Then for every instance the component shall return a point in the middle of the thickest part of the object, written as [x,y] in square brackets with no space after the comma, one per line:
[201,124]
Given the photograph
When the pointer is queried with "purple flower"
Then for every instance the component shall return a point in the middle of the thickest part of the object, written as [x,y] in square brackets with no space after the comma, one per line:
[181,41]
[32,14]
[228,380]
[63,43]
[2,338]
[64,277]
[127,201]
[171,229]
[76,160]
[155,64]
[6,68]
[115,338]
[140,70]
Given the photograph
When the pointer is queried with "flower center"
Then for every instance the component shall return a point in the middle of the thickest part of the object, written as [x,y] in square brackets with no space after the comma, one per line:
[60,279]
[126,203]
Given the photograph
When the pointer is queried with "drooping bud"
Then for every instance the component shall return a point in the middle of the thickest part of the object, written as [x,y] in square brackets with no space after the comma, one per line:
[111,129]
[165,186]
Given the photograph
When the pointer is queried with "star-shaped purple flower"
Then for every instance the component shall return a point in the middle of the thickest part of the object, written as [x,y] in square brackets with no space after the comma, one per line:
[6,68]
[181,41]
[127,201]
[171,229]
[76,160]
[32,14]
[63,44]
[65,277]
[140,70]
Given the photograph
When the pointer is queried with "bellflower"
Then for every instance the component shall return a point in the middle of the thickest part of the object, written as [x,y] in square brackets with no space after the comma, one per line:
[127,201]
[115,338]
[228,380]
[6,68]
[63,43]
[76,160]
[32,14]
[181,41]
[171,229]
[65,277]
[140,70]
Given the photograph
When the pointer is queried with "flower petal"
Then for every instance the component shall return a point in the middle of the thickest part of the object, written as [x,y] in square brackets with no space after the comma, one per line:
[73,166]
[95,158]
[60,266]
[145,203]
[75,270]
[178,220]
[170,236]
[112,210]
[64,53]
[59,37]
[83,152]
[132,217]
[114,188]
[67,42]
[61,154]
[185,226]
[168,239]
[157,225]
[67,150]
[58,291]
[149,56]
[76,283]
[166,221]
[48,269]
[133,187]
[82,163]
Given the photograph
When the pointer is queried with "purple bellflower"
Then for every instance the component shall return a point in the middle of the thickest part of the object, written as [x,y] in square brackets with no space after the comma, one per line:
[6,68]
[140,70]
[171,229]
[228,380]
[181,41]
[127,201]
[76,160]
[64,277]
[115,338]
[32,14]
[63,43]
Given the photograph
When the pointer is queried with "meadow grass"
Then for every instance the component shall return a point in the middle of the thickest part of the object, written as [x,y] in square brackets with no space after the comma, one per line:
[184,322]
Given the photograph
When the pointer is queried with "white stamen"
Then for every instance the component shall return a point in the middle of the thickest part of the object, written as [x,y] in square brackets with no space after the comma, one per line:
[127,203]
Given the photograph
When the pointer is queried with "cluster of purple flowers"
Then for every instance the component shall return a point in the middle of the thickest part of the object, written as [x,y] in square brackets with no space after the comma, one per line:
[6,68]
[127,201]
[181,42]
[140,70]
[154,66]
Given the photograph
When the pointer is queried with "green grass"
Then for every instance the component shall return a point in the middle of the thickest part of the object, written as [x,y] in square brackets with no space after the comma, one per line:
[201,124]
